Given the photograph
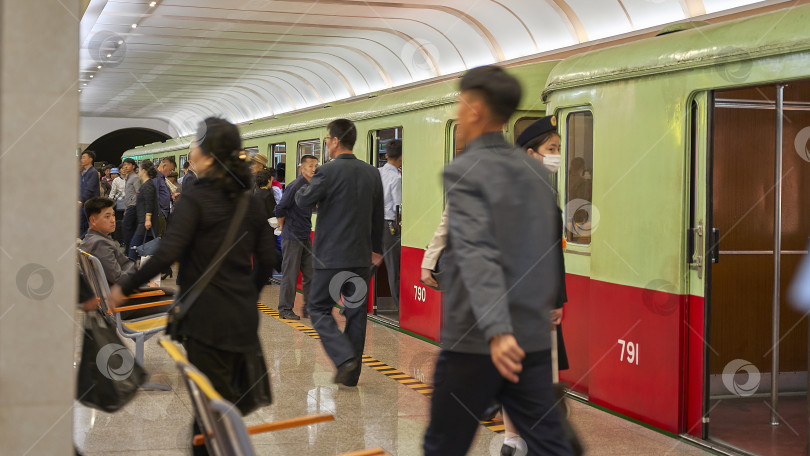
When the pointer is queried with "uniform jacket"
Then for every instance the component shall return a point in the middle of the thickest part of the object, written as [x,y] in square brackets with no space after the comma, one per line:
[349,226]
[89,186]
[503,234]
[115,264]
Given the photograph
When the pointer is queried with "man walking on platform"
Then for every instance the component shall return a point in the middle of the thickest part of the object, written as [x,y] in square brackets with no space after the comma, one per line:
[392,196]
[295,223]
[496,325]
[88,187]
[348,239]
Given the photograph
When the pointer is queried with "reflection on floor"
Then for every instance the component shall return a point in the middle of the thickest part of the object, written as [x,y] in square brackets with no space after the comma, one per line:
[379,412]
[387,308]
[745,423]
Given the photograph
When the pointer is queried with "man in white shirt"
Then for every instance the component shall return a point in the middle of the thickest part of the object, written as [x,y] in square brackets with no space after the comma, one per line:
[117,195]
[392,194]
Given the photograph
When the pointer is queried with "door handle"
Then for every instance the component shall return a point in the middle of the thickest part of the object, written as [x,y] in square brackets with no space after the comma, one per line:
[715,245]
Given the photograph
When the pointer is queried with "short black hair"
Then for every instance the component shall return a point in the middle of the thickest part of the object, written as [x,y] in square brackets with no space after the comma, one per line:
[306,157]
[263,178]
[130,161]
[394,149]
[500,90]
[535,143]
[94,206]
[90,153]
[186,164]
[345,131]
[169,159]
[149,167]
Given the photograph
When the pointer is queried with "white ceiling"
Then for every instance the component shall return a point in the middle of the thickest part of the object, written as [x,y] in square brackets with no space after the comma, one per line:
[248,59]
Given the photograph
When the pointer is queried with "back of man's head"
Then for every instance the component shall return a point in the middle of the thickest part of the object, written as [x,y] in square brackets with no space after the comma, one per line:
[499,90]
[394,149]
[345,131]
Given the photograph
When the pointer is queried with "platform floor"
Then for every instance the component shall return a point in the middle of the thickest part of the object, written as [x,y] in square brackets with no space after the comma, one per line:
[380,412]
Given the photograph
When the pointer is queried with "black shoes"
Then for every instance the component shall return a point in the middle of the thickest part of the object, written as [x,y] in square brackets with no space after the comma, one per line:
[288,315]
[167,274]
[507,450]
[345,373]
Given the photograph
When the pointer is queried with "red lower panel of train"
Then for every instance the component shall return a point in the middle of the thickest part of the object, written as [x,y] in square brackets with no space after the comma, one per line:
[633,350]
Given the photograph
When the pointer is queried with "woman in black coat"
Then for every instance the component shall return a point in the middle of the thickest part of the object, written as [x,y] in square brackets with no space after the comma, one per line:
[220,330]
[145,207]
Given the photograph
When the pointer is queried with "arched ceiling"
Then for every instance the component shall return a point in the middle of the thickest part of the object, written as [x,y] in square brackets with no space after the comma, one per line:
[183,60]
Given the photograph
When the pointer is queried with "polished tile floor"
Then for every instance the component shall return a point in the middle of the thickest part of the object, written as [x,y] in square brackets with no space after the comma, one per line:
[380,412]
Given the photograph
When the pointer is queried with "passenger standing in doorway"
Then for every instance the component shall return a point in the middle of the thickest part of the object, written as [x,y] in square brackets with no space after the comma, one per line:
[190,177]
[88,187]
[348,239]
[392,194]
[495,318]
[295,223]
[132,184]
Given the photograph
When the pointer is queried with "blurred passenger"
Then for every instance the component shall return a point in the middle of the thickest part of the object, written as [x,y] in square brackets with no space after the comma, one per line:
[348,239]
[275,186]
[117,195]
[220,330]
[104,189]
[258,163]
[88,186]
[392,195]
[146,207]
[174,187]
[190,177]
[264,193]
[295,223]
[578,182]
[167,166]
[281,174]
[132,184]
[495,321]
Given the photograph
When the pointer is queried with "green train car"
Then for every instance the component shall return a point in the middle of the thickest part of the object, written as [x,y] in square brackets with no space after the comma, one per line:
[686,194]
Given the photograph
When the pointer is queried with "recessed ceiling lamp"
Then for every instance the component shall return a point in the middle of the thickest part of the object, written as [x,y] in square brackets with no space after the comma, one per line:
[134,25]
[99,67]
[84,84]
[91,76]
[109,55]
[120,42]
[152,5]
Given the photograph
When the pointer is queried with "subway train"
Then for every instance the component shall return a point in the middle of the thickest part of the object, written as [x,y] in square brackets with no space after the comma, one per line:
[685,190]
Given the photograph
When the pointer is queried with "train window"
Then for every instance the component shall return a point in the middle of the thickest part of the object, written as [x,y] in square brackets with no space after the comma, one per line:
[181,171]
[521,125]
[308,147]
[579,169]
[381,140]
[278,154]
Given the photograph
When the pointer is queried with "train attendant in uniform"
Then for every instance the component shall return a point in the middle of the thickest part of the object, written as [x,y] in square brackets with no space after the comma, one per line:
[348,239]
[220,329]
[495,315]
[392,196]
[542,142]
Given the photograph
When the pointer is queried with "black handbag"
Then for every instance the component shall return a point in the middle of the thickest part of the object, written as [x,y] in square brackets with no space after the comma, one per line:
[253,384]
[108,377]
[183,304]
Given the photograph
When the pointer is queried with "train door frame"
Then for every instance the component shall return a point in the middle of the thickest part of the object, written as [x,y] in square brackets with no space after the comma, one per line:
[374,160]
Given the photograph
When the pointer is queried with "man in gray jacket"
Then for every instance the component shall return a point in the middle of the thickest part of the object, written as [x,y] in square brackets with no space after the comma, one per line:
[348,239]
[495,317]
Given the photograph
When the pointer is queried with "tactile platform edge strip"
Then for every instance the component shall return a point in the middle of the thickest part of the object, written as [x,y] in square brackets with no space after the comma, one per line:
[379,366]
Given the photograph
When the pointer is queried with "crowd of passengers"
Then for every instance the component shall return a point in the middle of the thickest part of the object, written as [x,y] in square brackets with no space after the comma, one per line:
[496,325]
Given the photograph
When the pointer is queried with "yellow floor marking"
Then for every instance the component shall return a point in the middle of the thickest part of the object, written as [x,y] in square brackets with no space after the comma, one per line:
[379,366]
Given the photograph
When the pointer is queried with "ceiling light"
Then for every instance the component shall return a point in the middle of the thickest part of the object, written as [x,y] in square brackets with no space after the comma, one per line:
[134,25]
[120,42]
[99,67]
[153,4]
[91,76]
[109,55]
[84,84]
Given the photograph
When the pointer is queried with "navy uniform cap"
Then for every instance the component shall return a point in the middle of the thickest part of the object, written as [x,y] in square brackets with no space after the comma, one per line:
[539,127]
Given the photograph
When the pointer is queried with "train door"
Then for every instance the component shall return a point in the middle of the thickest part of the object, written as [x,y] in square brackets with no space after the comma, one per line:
[759,213]
[386,280]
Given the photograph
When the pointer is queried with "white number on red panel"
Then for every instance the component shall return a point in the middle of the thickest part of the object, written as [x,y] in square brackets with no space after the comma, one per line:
[420,293]
[632,352]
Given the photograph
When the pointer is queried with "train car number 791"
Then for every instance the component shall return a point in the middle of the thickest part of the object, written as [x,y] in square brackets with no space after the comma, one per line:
[632,352]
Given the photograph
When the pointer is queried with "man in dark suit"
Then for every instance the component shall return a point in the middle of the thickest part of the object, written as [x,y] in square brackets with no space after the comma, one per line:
[348,239]
[503,221]
[88,187]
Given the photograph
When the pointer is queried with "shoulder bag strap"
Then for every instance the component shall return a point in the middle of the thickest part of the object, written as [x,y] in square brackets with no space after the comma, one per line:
[212,269]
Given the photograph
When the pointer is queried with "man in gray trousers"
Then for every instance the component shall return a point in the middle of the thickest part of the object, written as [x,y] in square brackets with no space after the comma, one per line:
[503,234]
[348,239]
[295,223]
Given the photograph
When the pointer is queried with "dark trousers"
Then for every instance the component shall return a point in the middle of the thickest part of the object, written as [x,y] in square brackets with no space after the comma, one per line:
[296,257]
[84,223]
[220,367]
[392,244]
[458,403]
[128,226]
[137,241]
[352,285]
[119,221]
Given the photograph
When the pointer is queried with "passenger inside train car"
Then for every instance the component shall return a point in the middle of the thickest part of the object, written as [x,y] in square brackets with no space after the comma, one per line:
[651,179]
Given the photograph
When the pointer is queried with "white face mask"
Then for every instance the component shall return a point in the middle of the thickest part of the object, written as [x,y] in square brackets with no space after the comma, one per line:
[552,162]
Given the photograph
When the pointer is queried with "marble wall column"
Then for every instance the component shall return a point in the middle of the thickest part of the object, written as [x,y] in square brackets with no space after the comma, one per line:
[39,120]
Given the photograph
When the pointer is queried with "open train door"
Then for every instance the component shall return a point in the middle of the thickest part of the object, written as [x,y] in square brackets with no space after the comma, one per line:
[756,208]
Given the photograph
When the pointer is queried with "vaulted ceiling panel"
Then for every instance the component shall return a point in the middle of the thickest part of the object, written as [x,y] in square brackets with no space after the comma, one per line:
[182,60]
